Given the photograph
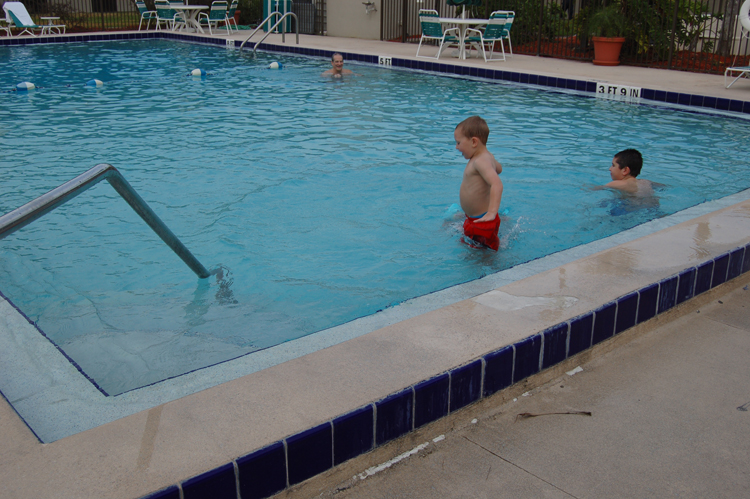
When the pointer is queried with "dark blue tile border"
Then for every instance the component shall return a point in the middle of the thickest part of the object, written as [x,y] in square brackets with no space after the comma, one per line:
[169,493]
[604,323]
[263,472]
[581,331]
[555,345]
[353,434]
[647,302]
[309,453]
[393,416]
[498,370]
[466,384]
[219,483]
[269,470]
[431,400]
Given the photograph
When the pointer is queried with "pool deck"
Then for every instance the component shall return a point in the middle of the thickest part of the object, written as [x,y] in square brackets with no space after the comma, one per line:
[171,443]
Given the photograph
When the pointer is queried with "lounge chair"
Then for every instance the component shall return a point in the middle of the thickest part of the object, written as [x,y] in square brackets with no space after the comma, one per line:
[17,16]
[432,29]
[497,30]
[216,15]
[5,26]
[145,14]
[744,71]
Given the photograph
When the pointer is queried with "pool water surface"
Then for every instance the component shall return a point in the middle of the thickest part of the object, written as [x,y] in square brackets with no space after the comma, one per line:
[320,200]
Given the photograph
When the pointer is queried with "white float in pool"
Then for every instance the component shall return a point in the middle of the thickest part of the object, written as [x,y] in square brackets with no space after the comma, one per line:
[25,85]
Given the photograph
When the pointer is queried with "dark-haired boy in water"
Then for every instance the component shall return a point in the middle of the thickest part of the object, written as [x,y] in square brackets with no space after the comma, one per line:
[481,188]
[626,166]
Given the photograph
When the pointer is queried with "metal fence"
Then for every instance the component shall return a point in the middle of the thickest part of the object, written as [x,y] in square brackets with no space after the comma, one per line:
[121,15]
[693,35]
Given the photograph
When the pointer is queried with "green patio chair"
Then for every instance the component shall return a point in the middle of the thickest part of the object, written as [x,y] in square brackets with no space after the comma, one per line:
[230,15]
[217,14]
[432,29]
[167,15]
[497,30]
[145,14]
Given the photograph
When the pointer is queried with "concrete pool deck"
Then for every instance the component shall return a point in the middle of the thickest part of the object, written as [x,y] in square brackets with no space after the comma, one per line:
[175,441]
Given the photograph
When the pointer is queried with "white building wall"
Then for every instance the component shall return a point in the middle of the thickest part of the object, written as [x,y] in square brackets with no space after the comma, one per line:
[347,18]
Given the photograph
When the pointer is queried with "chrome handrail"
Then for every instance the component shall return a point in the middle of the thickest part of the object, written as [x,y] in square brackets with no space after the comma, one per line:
[23,216]
[283,31]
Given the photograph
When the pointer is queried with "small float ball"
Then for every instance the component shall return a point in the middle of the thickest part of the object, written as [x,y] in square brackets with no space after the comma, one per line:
[275,65]
[25,85]
[94,83]
[198,72]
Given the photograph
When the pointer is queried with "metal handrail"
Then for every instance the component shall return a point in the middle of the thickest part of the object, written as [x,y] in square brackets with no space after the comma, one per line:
[283,31]
[21,217]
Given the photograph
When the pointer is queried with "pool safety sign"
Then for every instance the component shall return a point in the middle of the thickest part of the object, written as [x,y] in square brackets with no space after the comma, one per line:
[384,60]
[608,90]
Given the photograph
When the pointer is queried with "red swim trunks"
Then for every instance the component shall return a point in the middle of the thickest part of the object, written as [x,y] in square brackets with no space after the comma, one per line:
[483,232]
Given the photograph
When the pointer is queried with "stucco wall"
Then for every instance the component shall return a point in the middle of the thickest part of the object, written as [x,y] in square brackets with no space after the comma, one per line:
[347,18]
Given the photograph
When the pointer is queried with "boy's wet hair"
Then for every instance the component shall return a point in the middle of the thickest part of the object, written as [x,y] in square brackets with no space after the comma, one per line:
[632,159]
[474,127]
[333,56]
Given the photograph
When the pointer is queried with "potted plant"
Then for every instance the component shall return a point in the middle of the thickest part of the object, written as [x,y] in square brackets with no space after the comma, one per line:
[607,27]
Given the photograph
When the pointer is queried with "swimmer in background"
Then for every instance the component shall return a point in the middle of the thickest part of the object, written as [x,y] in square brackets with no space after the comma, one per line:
[626,166]
[481,189]
[337,69]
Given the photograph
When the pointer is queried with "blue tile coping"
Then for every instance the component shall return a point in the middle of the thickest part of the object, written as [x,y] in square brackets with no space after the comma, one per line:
[298,457]
[586,86]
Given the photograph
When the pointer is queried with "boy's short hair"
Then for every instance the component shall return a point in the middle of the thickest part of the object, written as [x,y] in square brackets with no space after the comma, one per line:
[632,159]
[333,56]
[474,127]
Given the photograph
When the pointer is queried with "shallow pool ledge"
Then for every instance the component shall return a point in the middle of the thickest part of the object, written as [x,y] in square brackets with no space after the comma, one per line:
[263,432]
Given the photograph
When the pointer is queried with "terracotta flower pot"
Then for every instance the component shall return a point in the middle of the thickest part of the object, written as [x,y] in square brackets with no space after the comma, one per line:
[237,17]
[607,50]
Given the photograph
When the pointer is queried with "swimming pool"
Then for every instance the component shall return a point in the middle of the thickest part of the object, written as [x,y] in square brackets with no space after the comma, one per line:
[319,216]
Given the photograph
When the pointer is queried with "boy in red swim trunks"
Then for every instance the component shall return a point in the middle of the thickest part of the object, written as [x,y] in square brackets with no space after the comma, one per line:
[481,188]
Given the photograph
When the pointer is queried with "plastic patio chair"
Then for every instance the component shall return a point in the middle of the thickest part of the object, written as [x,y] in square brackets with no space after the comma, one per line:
[145,14]
[17,16]
[217,14]
[230,15]
[167,15]
[433,30]
[497,30]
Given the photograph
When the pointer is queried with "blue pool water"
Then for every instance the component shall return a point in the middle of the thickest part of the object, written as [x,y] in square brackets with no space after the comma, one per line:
[321,200]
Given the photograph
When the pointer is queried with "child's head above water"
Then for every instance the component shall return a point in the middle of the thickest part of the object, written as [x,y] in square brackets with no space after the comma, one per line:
[629,158]
[474,127]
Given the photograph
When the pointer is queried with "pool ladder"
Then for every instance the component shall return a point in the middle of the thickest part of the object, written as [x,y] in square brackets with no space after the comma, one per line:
[268,20]
[21,217]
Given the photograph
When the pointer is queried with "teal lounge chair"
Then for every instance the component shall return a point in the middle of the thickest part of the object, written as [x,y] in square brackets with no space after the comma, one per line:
[17,16]
[145,14]
[216,15]
[432,29]
[497,30]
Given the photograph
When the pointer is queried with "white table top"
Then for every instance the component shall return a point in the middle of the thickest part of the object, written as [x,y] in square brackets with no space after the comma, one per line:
[189,7]
[460,20]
